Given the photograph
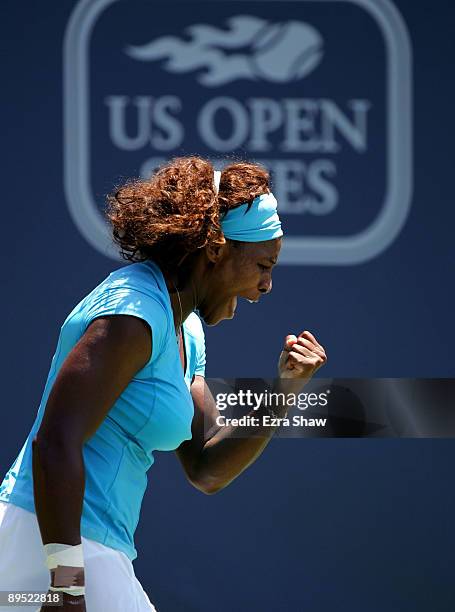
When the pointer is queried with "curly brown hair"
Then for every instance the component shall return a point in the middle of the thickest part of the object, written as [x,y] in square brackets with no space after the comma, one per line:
[177,210]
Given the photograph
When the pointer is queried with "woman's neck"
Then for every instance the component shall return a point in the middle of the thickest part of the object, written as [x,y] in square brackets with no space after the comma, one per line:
[182,294]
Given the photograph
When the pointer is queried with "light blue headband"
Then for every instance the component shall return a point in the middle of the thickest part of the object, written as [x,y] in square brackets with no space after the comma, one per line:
[260,222]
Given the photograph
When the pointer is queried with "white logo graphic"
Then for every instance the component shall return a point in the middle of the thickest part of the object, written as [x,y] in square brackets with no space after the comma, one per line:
[281,112]
[278,53]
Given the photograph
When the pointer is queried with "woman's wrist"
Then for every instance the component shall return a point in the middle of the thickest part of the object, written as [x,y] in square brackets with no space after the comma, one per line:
[66,565]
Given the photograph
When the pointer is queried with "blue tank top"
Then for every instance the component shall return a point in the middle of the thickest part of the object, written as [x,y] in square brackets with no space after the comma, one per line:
[154,412]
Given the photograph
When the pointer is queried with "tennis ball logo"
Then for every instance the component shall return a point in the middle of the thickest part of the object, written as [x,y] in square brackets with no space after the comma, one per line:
[287,52]
[249,48]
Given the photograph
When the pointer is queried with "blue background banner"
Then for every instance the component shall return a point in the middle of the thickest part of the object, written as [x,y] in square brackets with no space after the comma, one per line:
[356,128]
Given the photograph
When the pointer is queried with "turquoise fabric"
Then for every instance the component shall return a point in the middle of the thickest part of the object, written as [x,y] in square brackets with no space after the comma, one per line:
[255,224]
[153,413]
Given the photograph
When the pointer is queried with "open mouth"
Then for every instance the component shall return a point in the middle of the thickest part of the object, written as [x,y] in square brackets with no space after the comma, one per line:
[234,305]
[234,301]
[255,301]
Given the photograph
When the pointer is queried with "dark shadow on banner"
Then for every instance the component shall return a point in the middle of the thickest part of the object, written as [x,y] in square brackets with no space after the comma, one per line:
[333,408]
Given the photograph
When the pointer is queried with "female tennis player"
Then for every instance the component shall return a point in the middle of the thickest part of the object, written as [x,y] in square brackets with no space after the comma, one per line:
[127,378]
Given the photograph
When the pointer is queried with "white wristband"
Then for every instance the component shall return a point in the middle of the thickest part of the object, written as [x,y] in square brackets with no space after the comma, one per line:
[65,555]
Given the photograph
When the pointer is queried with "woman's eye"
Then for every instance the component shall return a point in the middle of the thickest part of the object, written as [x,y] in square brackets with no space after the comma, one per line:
[264,267]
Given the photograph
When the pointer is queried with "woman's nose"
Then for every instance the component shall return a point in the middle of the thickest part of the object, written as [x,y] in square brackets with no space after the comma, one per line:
[266,286]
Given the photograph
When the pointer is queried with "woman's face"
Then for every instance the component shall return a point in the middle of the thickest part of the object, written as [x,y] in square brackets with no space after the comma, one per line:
[243,271]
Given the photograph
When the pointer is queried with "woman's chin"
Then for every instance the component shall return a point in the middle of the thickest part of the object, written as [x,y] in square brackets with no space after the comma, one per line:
[212,318]
[216,316]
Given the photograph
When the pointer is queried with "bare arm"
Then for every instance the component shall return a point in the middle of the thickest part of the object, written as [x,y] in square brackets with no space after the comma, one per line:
[93,375]
[216,455]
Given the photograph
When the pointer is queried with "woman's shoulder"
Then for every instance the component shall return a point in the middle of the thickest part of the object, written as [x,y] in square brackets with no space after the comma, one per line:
[134,286]
[143,276]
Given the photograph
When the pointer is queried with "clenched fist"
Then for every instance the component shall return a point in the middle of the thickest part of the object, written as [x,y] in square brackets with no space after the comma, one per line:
[301,356]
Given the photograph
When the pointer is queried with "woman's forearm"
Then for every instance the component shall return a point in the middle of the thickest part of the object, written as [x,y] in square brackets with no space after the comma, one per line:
[59,483]
[233,448]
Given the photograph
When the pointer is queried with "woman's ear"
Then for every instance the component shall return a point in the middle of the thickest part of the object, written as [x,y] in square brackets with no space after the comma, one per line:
[216,252]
